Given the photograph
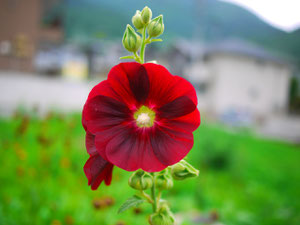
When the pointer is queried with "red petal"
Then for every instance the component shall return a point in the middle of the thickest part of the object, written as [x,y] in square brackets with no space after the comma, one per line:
[104,136]
[108,178]
[165,88]
[126,82]
[188,123]
[96,145]
[171,146]
[96,170]
[118,81]
[103,88]
[185,88]
[179,107]
[103,112]
[130,150]
[139,84]
[90,144]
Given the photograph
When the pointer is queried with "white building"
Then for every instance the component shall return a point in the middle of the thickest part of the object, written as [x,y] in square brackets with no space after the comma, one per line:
[236,79]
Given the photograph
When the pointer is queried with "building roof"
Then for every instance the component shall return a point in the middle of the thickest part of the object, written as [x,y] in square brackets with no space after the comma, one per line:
[189,48]
[241,47]
[196,50]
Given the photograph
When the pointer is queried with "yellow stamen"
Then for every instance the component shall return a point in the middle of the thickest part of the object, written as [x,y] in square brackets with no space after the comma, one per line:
[144,117]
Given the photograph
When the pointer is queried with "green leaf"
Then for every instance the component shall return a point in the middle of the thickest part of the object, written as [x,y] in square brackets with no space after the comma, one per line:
[131,202]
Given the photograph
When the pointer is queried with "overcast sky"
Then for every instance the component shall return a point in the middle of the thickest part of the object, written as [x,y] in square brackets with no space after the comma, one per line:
[284,14]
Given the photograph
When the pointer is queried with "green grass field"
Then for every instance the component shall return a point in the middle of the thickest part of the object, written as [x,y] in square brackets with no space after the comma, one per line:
[243,179]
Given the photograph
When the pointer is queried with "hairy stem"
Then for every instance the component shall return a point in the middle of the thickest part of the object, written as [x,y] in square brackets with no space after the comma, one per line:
[143,45]
[154,204]
[158,198]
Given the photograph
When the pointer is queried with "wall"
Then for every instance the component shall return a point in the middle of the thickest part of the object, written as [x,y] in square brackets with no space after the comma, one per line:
[248,84]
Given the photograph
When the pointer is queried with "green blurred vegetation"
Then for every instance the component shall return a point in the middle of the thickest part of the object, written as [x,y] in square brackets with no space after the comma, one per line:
[243,179]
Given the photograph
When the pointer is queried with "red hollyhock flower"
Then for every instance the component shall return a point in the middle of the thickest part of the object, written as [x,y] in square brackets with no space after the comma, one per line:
[141,117]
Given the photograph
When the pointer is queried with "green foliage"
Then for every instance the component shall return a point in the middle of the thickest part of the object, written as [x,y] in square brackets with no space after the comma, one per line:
[42,179]
[218,155]
[133,201]
[259,186]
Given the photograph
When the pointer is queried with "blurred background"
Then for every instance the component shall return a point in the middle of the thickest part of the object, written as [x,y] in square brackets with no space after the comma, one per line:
[243,58]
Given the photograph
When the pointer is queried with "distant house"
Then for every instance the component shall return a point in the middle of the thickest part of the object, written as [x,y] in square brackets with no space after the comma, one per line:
[235,78]
[23,29]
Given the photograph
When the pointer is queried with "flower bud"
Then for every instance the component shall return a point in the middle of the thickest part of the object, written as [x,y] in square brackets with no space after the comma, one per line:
[164,209]
[164,180]
[137,20]
[183,170]
[140,180]
[146,15]
[131,40]
[156,26]
[163,217]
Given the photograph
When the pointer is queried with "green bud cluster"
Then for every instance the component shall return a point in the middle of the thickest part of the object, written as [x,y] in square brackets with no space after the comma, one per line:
[140,180]
[183,170]
[157,182]
[143,22]
[141,19]
[164,216]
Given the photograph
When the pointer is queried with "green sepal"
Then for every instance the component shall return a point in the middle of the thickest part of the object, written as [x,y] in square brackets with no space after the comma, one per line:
[127,57]
[156,40]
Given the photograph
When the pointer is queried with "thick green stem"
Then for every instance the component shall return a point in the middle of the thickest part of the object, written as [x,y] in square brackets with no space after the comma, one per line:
[143,45]
[153,194]
[158,198]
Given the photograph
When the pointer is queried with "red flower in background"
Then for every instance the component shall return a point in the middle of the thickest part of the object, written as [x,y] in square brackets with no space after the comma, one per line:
[141,117]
